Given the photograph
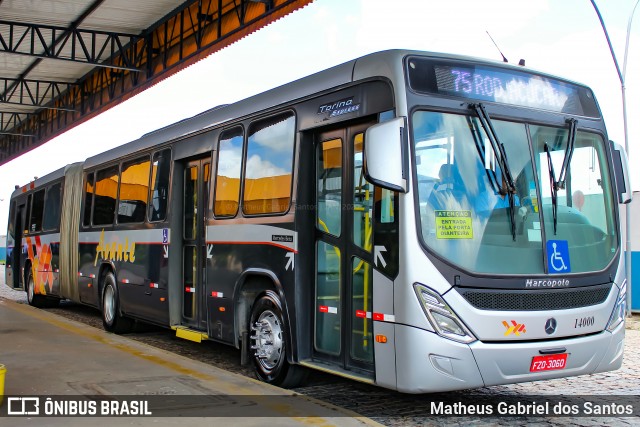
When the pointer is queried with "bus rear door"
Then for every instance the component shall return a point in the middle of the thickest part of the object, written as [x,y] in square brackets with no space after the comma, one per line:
[194,250]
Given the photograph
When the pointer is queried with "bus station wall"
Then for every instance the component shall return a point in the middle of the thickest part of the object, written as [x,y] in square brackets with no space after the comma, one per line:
[3,249]
[635,251]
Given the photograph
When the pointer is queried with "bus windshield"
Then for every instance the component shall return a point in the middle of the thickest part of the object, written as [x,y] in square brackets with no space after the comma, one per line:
[472,218]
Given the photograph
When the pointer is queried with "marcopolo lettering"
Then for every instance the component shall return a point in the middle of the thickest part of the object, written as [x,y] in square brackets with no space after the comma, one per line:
[545,283]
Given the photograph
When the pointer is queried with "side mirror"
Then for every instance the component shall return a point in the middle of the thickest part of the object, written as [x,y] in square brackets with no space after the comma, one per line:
[384,163]
[621,169]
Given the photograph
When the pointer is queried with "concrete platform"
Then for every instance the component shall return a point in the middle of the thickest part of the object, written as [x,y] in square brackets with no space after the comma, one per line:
[49,356]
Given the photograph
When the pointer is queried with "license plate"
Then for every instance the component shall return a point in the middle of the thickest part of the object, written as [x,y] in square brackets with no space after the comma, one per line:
[548,363]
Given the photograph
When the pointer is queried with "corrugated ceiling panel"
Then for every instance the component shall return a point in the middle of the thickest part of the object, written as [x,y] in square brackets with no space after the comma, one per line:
[13,65]
[126,16]
[48,12]
[51,69]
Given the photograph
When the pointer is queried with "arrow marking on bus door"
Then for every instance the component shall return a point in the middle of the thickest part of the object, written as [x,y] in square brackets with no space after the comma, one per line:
[209,250]
[290,261]
[377,255]
[165,249]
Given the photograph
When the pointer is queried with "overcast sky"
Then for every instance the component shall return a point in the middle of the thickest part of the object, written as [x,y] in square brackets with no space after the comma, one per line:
[563,38]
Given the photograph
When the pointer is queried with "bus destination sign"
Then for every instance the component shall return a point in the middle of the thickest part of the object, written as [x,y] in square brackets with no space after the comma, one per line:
[501,85]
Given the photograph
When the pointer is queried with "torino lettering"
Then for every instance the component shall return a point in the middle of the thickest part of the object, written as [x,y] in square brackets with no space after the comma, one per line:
[115,251]
[338,104]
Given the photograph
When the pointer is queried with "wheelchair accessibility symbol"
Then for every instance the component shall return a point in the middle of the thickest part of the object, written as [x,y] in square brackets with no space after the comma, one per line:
[558,256]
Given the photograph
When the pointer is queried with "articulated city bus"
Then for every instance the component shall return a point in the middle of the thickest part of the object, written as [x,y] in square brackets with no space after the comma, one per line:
[418,221]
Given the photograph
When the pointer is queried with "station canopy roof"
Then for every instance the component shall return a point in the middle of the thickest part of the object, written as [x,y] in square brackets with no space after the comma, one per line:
[64,61]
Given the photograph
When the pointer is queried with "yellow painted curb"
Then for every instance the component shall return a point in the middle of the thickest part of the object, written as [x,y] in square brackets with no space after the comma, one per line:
[3,371]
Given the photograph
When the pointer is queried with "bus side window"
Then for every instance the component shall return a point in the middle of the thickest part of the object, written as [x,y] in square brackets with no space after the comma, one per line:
[52,207]
[88,193]
[160,168]
[134,191]
[269,165]
[37,208]
[227,196]
[104,203]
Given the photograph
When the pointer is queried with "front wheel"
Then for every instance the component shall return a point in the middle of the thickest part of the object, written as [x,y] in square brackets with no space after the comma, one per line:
[269,344]
[112,320]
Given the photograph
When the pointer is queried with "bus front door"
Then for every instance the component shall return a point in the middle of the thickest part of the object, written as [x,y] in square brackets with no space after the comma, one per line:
[194,251]
[344,257]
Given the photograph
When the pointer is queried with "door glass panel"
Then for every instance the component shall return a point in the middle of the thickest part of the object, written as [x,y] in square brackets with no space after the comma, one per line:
[329,188]
[362,326]
[328,310]
[362,199]
[206,175]
[189,274]
[190,202]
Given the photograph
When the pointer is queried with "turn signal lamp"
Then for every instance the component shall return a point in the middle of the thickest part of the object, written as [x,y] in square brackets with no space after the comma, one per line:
[382,339]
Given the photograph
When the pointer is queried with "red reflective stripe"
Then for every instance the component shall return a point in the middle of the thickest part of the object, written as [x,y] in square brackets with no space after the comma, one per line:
[324,309]
[378,316]
[361,313]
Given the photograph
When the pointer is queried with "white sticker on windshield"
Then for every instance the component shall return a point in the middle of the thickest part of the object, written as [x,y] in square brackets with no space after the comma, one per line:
[534,235]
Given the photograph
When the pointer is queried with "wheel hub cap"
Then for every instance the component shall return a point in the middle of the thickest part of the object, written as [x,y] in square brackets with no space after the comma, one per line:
[267,339]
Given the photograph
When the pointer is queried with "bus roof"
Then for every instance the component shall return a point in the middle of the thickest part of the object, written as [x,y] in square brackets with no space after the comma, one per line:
[385,63]
[41,181]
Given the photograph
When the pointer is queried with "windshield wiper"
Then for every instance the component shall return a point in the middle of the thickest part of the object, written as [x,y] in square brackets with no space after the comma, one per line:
[508,187]
[568,152]
[483,152]
[560,183]
[554,188]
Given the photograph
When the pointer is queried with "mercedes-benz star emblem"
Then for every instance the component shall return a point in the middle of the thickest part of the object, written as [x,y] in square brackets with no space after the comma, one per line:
[550,326]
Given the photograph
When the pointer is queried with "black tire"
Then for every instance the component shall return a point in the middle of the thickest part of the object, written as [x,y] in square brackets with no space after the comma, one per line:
[268,339]
[52,302]
[112,320]
[33,299]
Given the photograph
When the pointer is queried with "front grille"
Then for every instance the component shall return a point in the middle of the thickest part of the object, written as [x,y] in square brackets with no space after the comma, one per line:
[557,299]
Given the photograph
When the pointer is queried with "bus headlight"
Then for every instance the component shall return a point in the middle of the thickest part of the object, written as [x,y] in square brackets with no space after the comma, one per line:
[618,314]
[441,316]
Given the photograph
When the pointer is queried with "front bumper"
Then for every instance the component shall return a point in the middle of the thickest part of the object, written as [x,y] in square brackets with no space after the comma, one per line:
[428,363]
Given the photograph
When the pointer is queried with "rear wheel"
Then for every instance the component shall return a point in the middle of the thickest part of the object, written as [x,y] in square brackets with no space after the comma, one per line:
[269,344]
[112,320]
[33,299]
